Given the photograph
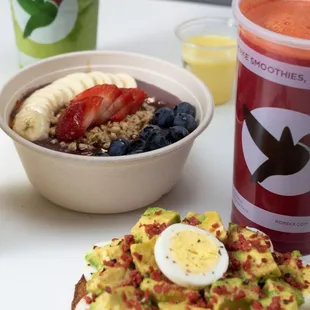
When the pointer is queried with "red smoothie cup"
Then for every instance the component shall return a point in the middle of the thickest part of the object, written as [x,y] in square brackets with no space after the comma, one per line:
[272,136]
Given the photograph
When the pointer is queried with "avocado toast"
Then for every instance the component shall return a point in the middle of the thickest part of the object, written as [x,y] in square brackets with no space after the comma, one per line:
[191,264]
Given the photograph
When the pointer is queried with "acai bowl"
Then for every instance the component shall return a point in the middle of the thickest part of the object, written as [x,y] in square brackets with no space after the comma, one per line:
[51,110]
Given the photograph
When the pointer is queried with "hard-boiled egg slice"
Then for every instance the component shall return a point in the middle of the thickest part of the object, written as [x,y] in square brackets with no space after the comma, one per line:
[255,230]
[189,256]
[88,269]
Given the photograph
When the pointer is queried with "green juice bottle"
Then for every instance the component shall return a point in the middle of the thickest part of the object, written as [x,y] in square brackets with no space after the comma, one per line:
[45,28]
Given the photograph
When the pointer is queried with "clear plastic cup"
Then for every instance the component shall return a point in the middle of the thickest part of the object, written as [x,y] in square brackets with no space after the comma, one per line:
[272,137]
[209,50]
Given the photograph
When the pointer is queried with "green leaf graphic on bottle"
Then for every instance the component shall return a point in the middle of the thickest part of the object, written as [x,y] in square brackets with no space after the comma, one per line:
[41,13]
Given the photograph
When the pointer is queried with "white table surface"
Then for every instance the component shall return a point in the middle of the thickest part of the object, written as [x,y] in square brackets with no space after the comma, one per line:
[42,245]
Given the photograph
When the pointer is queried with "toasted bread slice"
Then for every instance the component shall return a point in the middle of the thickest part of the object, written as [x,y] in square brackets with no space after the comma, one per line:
[79,292]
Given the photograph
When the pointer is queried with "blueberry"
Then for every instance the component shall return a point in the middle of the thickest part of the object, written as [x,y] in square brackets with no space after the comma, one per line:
[118,147]
[177,133]
[163,117]
[100,154]
[185,107]
[137,146]
[157,141]
[185,120]
[148,131]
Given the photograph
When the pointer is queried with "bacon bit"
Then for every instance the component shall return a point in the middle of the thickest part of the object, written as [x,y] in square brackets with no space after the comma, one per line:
[256,289]
[124,297]
[137,256]
[193,221]
[147,295]
[154,229]
[256,305]
[195,299]
[264,260]
[88,300]
[157,288]
[136,278]
[248,263]
[218,233]
[221,290]
[275,304]
[290,280]
[280,288]
[300,264]
[240,295]
[109,263]
[128,241]
[159,212]
[156,275]
[108,289]
[216,226]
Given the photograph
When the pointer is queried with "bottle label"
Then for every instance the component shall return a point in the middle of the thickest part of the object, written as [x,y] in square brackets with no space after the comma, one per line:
[45,28]
[45,22]
[273,70]
[272,145]
[270,220]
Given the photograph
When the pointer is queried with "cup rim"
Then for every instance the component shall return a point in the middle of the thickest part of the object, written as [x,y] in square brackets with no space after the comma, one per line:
[203,124]
[226,20]
[266,33]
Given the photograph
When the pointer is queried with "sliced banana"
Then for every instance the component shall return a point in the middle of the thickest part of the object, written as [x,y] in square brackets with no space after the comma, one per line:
[66,93]
[116,80]
[32,123]
[41,105]
[100,77]
[73,83]
[45,98]
[84,78]
[128,81]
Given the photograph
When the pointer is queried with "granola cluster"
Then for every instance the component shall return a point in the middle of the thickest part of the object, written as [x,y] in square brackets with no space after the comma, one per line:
[100,137]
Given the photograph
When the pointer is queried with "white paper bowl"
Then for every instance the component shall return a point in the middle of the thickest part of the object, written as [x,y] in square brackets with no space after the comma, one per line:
[106,185]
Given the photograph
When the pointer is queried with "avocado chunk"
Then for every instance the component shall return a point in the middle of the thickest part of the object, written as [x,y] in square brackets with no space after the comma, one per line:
[281,288]
[278,296]
[306,275]
[118,299]
[232,294]
[161,291]
[213,224]
[108,252]
[152,222]
[290,269]
[177,306]
[251,253]
[143,256]
[110,277]
[193,218]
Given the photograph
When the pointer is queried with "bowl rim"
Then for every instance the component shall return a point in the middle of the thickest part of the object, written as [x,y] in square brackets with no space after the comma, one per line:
[203,124]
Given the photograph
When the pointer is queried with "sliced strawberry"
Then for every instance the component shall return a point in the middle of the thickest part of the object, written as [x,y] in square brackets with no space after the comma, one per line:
[73,123]
[108,91]
[139,96]
[96,106]
[122,101]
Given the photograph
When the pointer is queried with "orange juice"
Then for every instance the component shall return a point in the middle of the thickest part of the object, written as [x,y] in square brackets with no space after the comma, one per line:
[213,59]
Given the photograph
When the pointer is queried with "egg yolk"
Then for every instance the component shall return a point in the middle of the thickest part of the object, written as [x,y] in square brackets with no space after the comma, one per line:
[195,253]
